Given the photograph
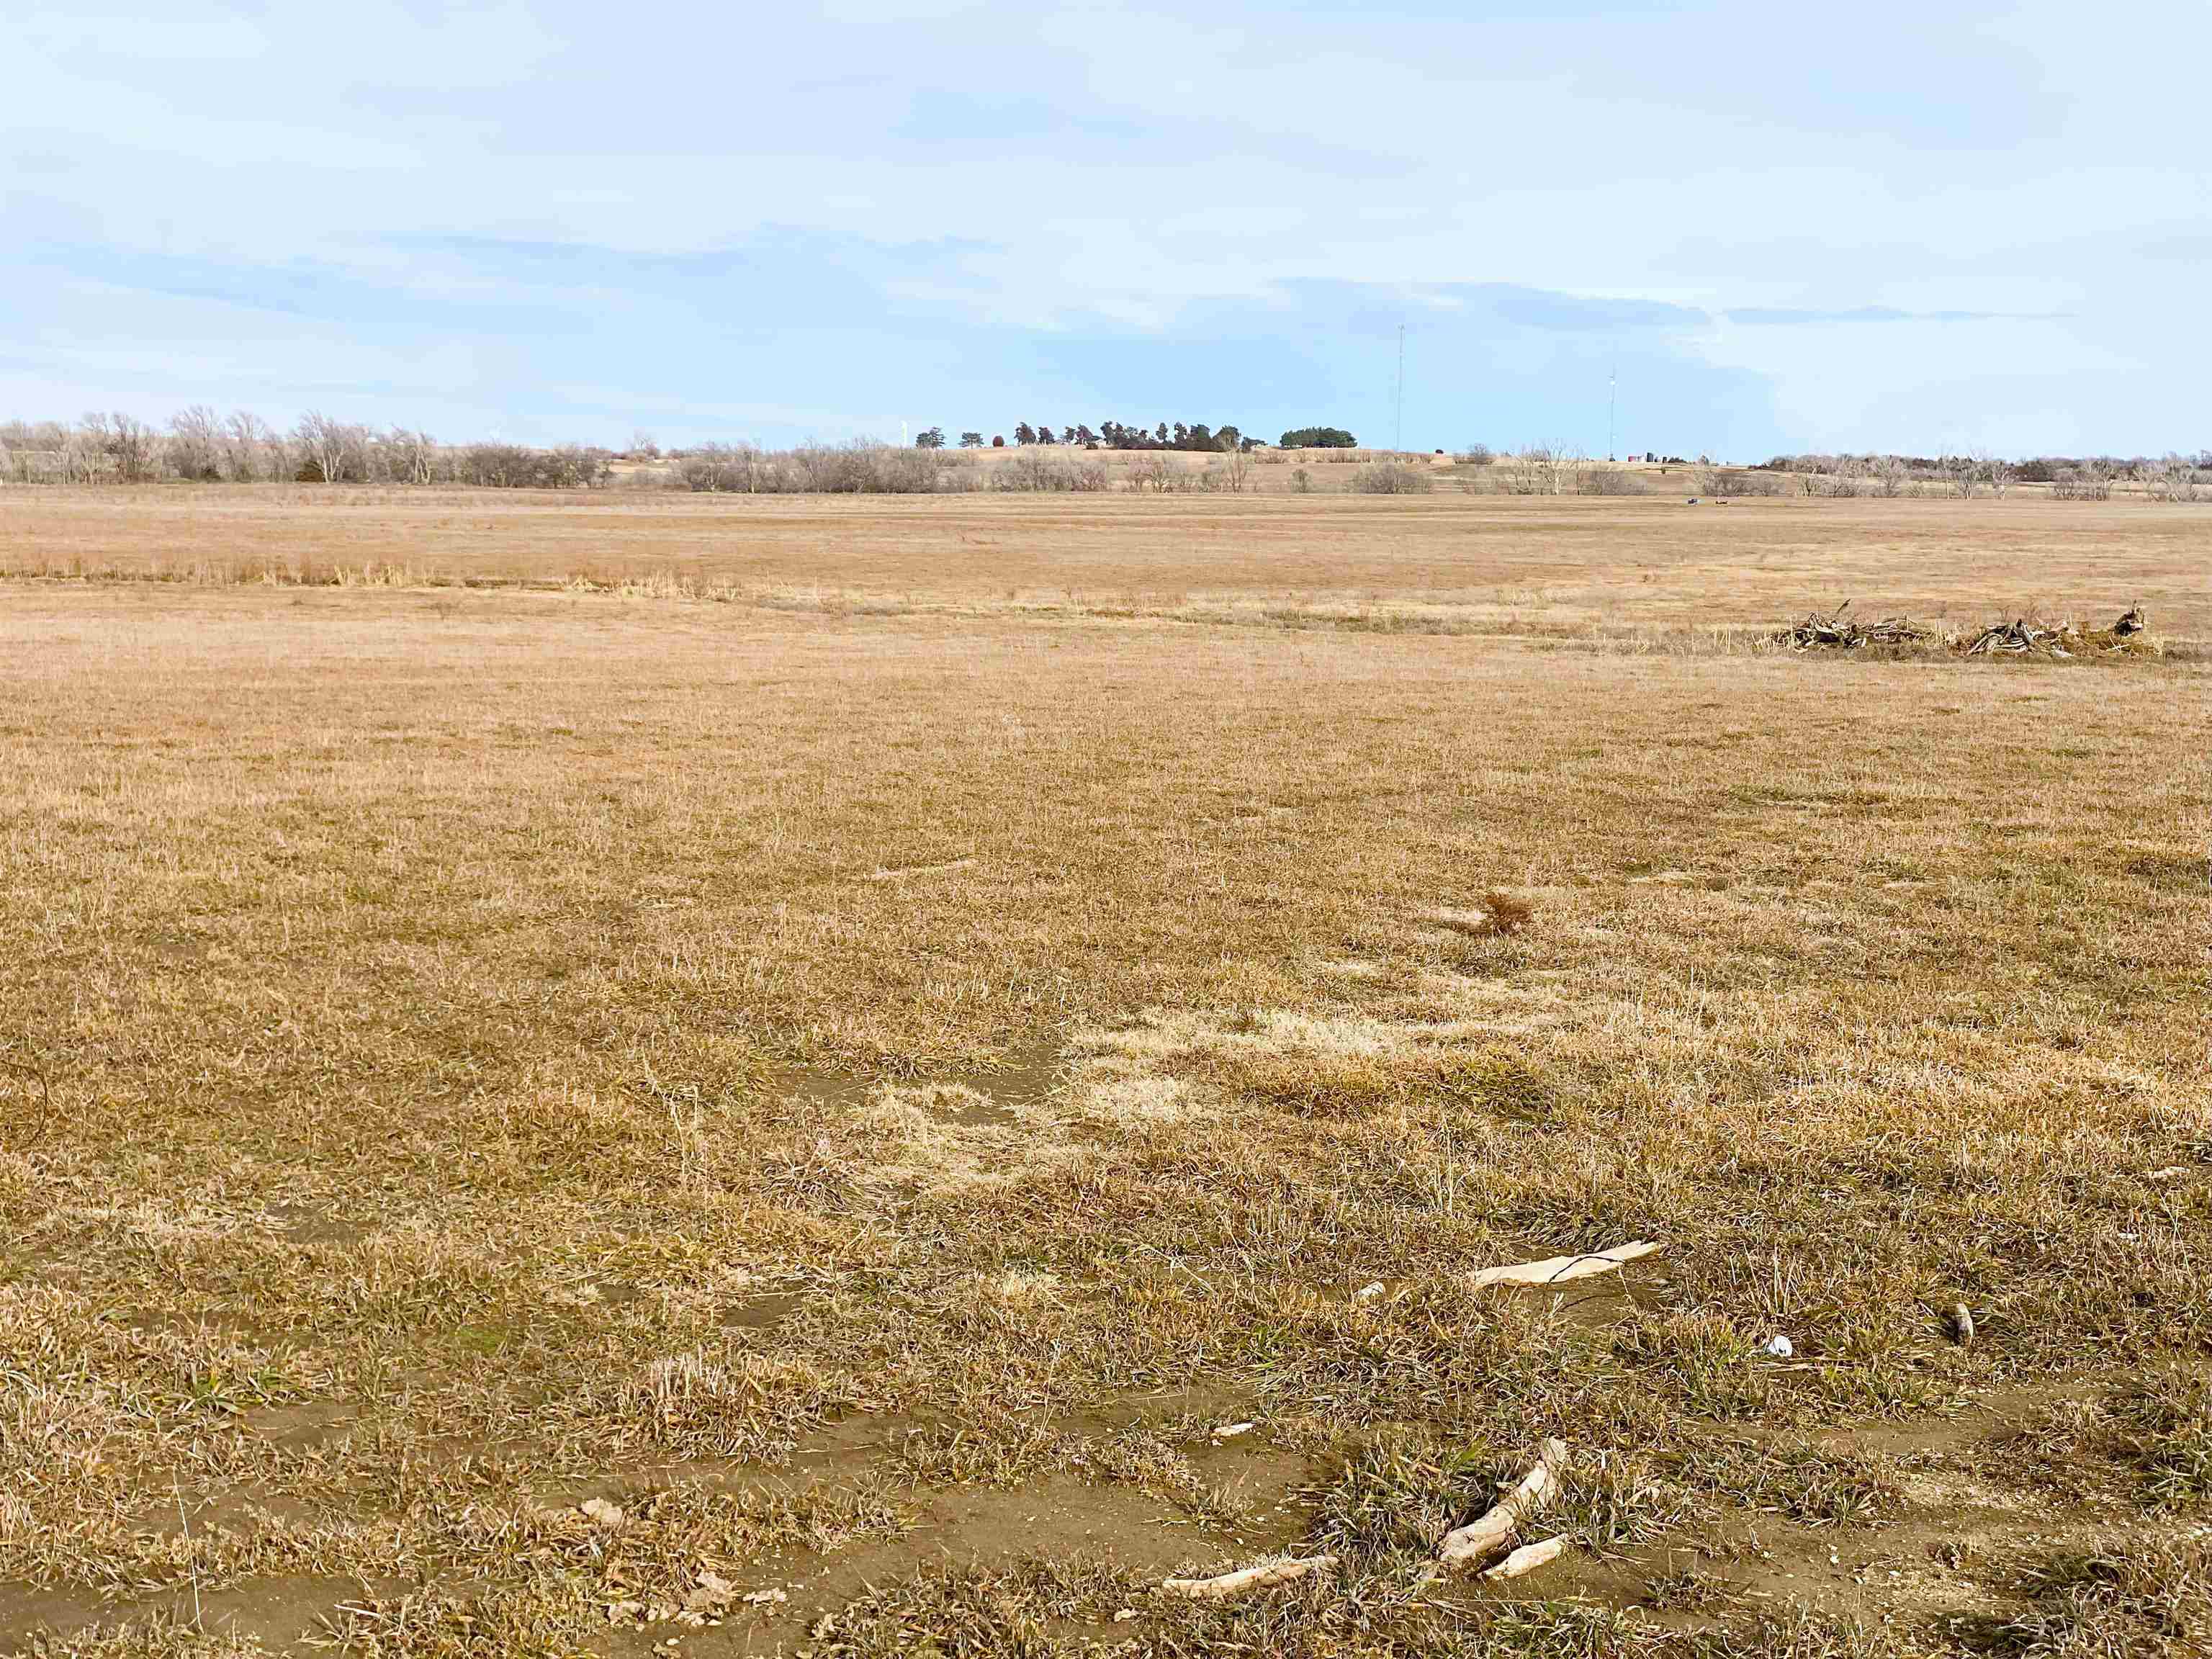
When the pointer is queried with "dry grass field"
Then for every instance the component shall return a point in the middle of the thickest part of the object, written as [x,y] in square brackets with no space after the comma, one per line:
[853,1037]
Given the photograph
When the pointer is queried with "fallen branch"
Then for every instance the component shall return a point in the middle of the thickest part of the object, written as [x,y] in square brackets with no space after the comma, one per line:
[1528,1558]
[1563,1269]
[1492,1531]
[1246,1578]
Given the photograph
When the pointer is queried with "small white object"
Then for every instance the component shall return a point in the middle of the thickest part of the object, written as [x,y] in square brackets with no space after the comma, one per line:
[1368,1292]
[1528,1558]
[1262,1577]
[1231,1430]
[1563,1269]
[1780,1346]
[601,1513]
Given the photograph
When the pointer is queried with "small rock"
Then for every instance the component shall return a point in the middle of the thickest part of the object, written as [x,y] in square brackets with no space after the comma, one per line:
[1368,1292]
[1231,1430]
[1780,1346]
[600,1512]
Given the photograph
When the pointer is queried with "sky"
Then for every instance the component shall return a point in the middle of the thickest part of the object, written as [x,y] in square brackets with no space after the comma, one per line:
[1737,229]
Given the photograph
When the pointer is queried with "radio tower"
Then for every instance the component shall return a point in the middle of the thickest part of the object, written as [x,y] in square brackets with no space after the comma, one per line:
[1398,433]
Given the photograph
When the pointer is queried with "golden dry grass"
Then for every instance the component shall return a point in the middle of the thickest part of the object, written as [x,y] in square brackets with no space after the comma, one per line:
[1564,565]
[866,1090]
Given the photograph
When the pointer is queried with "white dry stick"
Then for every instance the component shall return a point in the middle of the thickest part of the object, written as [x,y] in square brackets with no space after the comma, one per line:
[1232,1431]
[1563,1269]
[1492,1532]
[1528,1558]
[1246,1578]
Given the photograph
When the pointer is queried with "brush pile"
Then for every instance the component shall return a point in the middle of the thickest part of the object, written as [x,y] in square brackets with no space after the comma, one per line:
[1836,632]
[2023,636]
[2026,637]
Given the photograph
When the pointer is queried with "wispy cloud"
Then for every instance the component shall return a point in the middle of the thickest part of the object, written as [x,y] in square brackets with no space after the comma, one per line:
[978,211]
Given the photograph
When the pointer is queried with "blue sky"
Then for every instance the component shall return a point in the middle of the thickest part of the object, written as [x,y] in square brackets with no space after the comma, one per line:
[1915,227]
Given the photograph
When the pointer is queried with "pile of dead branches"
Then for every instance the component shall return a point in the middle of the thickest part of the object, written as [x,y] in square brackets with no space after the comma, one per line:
[1836,632]
[2025,636]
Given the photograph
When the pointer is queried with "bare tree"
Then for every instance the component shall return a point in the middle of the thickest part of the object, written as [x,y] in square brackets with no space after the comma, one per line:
[195,448]
[2092,481]
[1552,468]
[127,443]
[336,452]
[1156,472]
[2173,479]
[1995,472]
[410,455]
[316,434]
[1843,479]
[1964,474]
[84,450]
[1890,476]
[251,449]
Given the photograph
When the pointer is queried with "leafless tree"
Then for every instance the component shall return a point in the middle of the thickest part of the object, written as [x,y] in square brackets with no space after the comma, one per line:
[2173,479]
[127,443]
[1843,480]
[1155,471]
[84,450]
[1995,472]
[251,449]
[2092,481]
[335,451]
[196,446]
[1964,474]
[410,455]
[1548,469]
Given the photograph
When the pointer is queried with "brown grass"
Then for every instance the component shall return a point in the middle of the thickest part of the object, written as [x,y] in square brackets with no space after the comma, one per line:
[1652,570]
[864,1091]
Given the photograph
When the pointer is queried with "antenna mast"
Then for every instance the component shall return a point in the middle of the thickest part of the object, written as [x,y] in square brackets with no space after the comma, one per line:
[1611,404]
[1398,433]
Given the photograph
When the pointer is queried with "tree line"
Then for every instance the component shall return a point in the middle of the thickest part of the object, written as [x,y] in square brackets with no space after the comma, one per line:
[2170,476]
[1188,435]
[198,446]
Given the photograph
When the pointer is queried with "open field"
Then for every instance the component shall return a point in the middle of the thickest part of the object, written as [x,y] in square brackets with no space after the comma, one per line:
[860,1032]
[1487,563]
